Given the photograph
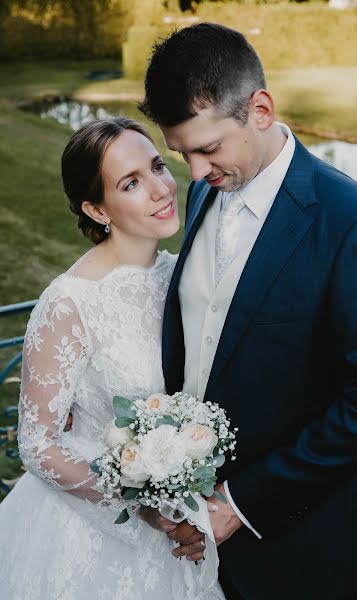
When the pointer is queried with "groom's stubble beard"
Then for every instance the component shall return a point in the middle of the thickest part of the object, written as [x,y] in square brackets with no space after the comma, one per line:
[233,184]
[240,176]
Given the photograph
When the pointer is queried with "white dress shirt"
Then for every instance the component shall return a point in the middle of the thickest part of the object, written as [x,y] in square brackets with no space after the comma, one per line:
[210,276]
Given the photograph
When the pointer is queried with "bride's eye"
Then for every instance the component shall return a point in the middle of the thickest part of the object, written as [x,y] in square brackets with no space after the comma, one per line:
[133,183]
[160,166]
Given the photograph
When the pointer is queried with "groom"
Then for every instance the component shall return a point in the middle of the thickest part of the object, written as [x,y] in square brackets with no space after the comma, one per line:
[261,316]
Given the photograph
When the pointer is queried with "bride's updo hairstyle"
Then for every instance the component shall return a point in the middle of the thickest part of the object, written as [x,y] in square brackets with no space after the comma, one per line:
[82,168]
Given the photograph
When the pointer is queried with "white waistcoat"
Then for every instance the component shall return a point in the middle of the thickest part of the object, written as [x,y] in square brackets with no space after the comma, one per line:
[203,306]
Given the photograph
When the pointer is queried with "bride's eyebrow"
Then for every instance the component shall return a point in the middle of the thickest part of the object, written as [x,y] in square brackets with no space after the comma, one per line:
[132,173]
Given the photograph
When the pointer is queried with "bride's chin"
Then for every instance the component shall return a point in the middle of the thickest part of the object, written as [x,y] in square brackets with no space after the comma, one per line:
[169,227]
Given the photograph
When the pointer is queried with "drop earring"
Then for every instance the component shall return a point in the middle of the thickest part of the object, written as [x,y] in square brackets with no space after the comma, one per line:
[107,228]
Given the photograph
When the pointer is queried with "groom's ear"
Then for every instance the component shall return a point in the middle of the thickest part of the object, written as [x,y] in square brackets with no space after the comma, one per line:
[262,109]
[96,213]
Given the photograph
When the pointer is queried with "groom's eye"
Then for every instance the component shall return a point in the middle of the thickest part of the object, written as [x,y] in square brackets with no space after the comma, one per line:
[209,150]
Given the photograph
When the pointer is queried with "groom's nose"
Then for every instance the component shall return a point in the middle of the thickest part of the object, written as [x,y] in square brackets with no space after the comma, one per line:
[199,165]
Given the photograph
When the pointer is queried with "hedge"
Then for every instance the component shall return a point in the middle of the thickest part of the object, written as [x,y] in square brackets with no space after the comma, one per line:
[284,35]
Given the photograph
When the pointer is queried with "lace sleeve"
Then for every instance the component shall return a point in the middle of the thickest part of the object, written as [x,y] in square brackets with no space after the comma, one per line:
[55,356]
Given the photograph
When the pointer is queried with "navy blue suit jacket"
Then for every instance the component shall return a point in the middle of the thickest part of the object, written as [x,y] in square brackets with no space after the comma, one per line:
[286,371]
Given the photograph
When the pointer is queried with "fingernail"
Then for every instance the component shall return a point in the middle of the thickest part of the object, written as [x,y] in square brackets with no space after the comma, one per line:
[212,507]
[203,544]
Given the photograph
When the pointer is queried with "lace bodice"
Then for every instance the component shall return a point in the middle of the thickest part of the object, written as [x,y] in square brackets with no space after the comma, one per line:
[87,341]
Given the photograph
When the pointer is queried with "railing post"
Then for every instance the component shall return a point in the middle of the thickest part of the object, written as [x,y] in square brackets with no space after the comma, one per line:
[8,433]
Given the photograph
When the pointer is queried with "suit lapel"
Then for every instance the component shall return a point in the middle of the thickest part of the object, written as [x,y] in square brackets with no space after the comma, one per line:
[286,224]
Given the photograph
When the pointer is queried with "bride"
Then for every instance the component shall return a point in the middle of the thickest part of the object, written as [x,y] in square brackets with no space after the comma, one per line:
[95,333]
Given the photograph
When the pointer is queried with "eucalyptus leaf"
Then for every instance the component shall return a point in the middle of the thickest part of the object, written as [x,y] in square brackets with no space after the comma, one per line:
[130,493]
[167,420]
[123,517]
[207,490]
[121,403]
[196,487]
[121,422]
[191,503]
[219,460]
[134,519]
[220,497]
[123,408]
[94,466]
[204,473]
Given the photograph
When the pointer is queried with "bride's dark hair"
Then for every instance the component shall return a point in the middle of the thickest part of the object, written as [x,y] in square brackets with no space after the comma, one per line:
[82,168]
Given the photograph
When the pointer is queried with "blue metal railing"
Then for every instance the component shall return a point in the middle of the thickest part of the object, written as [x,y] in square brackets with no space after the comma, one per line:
[8,433]
[6,311]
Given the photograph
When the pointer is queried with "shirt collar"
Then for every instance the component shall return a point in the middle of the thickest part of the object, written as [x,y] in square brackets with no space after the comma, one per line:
[260,193]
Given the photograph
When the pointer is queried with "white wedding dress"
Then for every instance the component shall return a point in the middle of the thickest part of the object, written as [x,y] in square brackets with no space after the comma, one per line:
[87,341]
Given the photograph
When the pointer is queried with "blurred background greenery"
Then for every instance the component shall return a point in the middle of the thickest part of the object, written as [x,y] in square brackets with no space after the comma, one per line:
[90,57]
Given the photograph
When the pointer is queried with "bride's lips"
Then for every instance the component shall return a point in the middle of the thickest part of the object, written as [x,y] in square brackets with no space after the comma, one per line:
[165,213]
[217,181]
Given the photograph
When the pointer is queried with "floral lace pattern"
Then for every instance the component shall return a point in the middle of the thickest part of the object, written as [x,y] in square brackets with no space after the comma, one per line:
[86,341]
[227,233]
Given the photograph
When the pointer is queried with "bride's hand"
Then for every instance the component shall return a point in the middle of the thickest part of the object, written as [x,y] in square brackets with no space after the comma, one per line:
[192,541]
[152,517]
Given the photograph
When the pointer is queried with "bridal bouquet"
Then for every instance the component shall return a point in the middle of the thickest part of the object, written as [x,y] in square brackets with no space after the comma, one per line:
[163,452]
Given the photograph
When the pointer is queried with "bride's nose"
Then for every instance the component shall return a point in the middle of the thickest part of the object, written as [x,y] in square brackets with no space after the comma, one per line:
[158,189]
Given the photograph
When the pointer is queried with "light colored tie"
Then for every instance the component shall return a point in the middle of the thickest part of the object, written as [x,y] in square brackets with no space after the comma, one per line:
[226,237]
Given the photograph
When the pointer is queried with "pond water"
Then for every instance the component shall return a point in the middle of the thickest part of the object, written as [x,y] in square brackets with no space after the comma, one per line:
[342,155]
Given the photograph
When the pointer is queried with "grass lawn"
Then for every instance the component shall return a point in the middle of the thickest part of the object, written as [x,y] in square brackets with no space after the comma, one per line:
[38,234]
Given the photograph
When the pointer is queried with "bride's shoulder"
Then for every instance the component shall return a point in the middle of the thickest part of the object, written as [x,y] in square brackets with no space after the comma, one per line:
[55,303]
[61,290]
[67,287]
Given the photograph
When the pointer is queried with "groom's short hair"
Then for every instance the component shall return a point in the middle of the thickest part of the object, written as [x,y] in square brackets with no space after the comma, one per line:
[200,65]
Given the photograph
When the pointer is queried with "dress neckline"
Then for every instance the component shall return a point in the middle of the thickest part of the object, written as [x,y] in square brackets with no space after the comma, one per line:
[123,268]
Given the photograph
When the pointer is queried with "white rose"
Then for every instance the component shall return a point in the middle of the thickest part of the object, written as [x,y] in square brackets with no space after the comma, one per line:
[162,452]
[157,402]
[115,436]
[132,465]
[198,441]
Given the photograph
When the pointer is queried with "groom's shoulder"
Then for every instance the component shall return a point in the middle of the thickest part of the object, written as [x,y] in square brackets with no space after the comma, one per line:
[328,177]
[197,191]
[335,191]
[197,188]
